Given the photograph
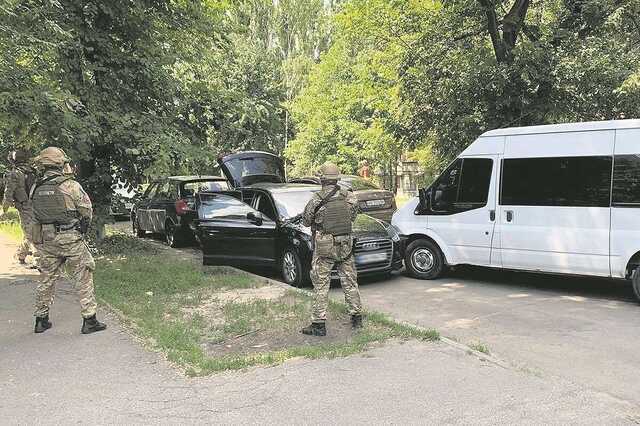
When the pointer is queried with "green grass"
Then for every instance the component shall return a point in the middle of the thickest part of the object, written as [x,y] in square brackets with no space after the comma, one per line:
[479,347]
[152,291]
[10,225]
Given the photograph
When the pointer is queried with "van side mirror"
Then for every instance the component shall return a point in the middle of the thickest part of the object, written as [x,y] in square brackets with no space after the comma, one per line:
[255,218]
[424,196]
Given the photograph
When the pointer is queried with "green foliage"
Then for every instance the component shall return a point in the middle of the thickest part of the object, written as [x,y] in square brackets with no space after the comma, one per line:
[571,62]
[423,78]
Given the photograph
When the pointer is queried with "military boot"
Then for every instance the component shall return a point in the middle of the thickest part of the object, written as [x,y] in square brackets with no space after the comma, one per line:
[91,325]
[315,329]
[42,324]
[356,321]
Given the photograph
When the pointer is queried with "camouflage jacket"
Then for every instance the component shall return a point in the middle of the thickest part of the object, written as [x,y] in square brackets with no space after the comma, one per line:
[14,190]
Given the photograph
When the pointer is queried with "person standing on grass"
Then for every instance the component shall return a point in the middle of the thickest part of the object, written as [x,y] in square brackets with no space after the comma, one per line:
[330,214]
[63,212]
[18,183]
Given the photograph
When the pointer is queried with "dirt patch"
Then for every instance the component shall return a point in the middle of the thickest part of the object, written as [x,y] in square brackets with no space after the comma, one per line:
[246,295]
[338,332]
[211,307]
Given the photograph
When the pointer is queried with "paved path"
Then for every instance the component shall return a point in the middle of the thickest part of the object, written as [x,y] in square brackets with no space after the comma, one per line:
[63,377]
[586,331]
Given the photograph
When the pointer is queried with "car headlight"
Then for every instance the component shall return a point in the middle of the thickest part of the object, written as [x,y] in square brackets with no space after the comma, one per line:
[394,233]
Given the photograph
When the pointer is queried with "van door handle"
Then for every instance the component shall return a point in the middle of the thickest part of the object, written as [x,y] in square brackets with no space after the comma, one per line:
[492,215]
[509,215]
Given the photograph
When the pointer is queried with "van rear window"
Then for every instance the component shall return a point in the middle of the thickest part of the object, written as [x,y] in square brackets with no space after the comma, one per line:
[626,181]
[557,181]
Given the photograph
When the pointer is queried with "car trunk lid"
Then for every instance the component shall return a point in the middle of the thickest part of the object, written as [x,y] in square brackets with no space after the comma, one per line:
[246,168]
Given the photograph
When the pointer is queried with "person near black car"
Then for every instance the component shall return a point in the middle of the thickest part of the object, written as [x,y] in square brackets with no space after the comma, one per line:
[330,214]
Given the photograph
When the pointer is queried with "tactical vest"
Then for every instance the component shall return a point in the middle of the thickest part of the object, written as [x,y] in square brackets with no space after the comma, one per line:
[49,204]
[337,216]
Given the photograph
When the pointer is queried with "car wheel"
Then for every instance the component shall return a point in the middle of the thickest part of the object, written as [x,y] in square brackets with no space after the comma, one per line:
[635,282]
[140,233]
[291,269]
[171,236]
[424,260]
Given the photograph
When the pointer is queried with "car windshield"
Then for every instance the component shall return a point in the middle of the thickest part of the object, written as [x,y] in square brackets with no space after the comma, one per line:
[358,184]
[189,189]
[292,203]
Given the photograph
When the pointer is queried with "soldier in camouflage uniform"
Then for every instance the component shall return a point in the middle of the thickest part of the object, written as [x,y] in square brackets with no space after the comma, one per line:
[330,214]
[16,193]
[62,211]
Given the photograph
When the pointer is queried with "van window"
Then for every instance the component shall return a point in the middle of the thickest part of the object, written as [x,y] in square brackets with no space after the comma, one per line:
[626,181]
[463,186]
[557,181]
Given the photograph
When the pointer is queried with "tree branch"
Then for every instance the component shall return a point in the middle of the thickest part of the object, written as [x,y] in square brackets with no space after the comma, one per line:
[494,32]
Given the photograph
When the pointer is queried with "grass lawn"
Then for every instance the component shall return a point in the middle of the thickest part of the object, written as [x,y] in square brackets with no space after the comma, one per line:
[10,225]
[220,319]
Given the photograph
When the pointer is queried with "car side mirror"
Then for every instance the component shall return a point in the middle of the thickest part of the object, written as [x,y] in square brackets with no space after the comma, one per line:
[255,218]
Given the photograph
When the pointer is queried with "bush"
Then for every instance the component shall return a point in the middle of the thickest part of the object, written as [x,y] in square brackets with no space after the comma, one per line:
[11,216]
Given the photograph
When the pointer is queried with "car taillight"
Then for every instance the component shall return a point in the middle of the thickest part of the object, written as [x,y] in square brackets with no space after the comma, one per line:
[181,207]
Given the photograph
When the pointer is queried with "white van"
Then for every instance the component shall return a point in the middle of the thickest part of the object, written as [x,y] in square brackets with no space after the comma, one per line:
[560,199]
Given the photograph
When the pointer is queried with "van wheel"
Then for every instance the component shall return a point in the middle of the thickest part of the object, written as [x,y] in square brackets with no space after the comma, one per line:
[291,269]
[635,282]
[424,260]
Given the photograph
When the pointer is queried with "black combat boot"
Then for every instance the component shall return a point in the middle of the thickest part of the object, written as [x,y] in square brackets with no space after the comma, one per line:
[91,325]
[42,324]
[356,321]
[315,329]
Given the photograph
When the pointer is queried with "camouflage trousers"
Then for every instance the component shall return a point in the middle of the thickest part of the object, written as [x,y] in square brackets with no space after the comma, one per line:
[330,252]
[26,223]
[57,250]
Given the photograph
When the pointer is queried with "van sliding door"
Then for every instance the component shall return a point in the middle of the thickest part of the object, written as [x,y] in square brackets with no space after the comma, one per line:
[554,202]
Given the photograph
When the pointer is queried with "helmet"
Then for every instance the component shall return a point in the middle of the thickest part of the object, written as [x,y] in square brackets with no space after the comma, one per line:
[329,171]
[11,157]
[52,157]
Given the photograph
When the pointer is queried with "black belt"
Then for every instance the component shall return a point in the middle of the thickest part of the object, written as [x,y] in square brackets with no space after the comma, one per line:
[61,227]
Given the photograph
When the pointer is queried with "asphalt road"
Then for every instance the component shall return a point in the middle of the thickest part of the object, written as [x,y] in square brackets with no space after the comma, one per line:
[63,377]
[586,331]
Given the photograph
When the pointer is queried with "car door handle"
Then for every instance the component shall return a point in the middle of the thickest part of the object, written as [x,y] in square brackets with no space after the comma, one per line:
[492,215]
[509,215]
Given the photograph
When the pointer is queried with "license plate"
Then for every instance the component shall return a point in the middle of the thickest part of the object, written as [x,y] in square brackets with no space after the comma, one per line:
[375,203]
[371,257]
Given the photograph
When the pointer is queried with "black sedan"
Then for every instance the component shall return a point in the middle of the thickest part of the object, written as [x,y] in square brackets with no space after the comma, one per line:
[251,228]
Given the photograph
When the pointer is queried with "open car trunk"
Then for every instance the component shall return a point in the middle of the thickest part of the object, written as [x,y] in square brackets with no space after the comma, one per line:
[246,168]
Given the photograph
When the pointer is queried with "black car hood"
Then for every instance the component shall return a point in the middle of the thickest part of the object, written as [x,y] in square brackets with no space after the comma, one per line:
[364,227]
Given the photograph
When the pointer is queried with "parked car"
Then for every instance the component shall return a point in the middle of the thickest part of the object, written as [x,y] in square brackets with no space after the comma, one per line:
[122,201]
[167,207]
[559,199]
[252,229]
[373,200]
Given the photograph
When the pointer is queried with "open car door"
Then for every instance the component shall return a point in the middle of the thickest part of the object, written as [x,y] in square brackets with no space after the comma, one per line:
[246,168]
[233,233]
